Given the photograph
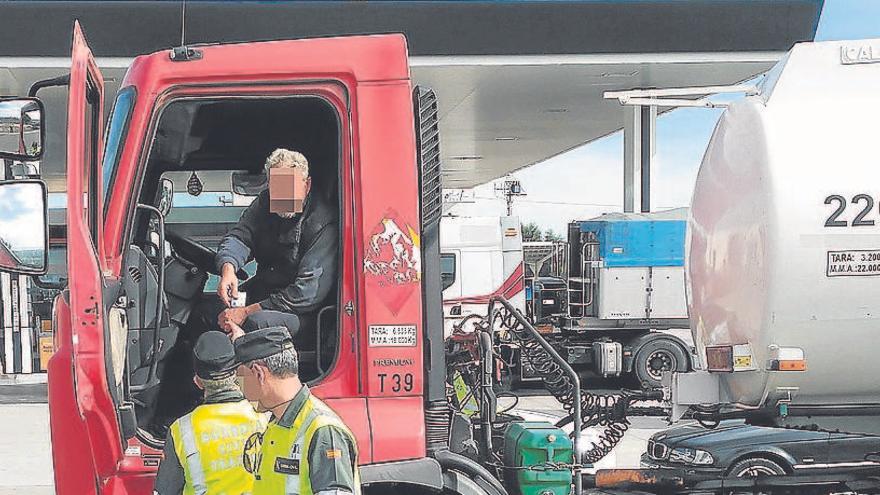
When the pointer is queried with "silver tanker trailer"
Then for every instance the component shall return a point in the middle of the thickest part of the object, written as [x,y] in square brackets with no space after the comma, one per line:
[782,267]
[783,248]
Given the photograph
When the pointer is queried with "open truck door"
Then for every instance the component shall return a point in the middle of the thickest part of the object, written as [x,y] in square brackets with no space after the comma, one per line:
[85,430]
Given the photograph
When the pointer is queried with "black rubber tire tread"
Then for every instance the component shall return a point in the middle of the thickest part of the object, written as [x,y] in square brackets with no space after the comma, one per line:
[639,366]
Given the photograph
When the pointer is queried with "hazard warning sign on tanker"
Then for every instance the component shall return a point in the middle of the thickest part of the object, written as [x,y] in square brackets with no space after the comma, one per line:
[392,261]
[853,263]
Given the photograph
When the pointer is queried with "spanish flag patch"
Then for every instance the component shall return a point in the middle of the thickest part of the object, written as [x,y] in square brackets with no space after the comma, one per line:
[333,453]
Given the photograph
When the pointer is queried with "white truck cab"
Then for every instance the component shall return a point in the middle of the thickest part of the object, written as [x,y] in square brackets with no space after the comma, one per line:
[480,257]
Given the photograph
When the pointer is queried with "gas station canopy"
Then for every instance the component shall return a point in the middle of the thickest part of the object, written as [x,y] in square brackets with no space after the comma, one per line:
[518,82]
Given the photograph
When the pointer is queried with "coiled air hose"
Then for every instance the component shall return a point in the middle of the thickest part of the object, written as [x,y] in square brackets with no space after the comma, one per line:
[607,411]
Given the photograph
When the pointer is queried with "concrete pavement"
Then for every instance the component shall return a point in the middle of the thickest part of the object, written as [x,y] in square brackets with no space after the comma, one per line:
[24,427]
[25,454]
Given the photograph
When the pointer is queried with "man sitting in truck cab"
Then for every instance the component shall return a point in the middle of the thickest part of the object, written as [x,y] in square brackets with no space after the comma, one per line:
[296,254]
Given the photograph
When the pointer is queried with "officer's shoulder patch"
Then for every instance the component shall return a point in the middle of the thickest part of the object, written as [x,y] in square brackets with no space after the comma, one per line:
[284,465]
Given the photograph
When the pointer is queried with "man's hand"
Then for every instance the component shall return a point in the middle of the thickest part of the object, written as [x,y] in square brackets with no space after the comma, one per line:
[235,316]
[234,331]
[228,287]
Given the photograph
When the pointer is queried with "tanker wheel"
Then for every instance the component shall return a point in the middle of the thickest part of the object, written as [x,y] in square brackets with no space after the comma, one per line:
[656,357]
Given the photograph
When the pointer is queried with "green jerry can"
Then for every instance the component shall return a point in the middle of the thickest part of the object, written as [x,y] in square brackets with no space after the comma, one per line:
[536,443]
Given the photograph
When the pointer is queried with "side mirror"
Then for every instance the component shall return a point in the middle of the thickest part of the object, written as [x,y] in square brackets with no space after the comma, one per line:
[24,236]
[166,196]
[21,129]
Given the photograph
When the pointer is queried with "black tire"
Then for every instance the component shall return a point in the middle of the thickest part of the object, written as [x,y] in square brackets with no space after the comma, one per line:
[655,357]
[754,466]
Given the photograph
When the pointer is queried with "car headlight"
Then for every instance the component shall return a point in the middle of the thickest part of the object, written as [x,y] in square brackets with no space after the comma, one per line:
[691,456]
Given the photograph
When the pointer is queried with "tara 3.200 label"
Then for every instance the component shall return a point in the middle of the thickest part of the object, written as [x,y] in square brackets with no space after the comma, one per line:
[853,263]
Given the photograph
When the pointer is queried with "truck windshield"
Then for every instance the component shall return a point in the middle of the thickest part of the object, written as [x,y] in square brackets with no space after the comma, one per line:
[117,129]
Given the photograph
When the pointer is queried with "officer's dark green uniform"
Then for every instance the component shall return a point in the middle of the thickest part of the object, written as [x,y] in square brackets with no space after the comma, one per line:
[203,448]
[308,450]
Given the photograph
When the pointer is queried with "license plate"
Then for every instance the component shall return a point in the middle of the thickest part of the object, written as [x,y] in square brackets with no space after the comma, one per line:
[549,301]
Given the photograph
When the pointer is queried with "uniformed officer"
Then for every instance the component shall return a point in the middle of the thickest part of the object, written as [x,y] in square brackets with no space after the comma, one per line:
[203,448]
[306,449]
[296,255]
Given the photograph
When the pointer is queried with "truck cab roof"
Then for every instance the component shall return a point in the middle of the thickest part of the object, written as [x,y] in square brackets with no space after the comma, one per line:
[361,58]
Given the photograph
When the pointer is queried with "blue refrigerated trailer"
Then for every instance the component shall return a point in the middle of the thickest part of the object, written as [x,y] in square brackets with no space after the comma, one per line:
[612,293]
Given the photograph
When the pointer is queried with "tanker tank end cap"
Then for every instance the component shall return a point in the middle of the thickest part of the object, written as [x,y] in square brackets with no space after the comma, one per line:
[786,359]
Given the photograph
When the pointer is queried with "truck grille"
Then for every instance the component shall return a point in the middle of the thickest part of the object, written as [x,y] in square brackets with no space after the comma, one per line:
[657,450]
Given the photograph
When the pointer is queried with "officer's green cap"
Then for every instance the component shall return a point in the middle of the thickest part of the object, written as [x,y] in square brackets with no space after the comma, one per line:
[261,344]
[214,356]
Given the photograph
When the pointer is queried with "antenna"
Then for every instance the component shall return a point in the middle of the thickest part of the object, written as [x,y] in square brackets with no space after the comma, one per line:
[182,53]
[183,23]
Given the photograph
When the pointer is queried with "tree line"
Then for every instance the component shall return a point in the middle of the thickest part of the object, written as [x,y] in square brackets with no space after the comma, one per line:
[533,232]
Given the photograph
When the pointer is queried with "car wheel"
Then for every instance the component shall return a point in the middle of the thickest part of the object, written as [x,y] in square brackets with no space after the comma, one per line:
[655,358]
[754,467]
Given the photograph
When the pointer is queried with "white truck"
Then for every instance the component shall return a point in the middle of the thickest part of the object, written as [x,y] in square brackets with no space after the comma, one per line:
[480,257]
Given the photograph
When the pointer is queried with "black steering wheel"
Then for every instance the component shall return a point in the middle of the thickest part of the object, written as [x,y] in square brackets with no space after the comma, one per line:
[198,254]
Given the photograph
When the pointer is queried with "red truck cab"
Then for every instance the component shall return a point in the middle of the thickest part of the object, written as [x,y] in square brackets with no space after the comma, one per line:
[348,104]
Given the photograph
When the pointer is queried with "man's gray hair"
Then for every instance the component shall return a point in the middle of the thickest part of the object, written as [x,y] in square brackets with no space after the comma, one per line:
[285,364]
[212,387]
[282,158]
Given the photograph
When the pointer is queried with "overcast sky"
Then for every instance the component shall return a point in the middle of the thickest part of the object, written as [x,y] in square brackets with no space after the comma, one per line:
[21,221]
[593,174]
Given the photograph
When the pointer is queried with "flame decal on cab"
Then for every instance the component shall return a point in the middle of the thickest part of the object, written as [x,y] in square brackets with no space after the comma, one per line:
[393,261]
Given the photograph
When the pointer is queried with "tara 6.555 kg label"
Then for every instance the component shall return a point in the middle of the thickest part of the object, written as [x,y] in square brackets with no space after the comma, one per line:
[392,335]
[853,263]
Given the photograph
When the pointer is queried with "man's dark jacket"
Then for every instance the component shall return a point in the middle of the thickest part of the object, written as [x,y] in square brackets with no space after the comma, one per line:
[296,258]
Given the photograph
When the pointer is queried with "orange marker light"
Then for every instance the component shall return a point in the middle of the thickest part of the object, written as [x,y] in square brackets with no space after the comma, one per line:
[799,365]
[787,359]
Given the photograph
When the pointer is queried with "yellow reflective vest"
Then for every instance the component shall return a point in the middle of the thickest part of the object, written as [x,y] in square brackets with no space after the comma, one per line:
[209,443]
[284,466]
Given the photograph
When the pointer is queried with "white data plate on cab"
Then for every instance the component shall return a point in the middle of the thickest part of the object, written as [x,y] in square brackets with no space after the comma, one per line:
[392,335]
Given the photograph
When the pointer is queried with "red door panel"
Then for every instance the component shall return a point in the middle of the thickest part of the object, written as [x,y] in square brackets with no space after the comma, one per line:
[86,321]
[398,428]
[353,411]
